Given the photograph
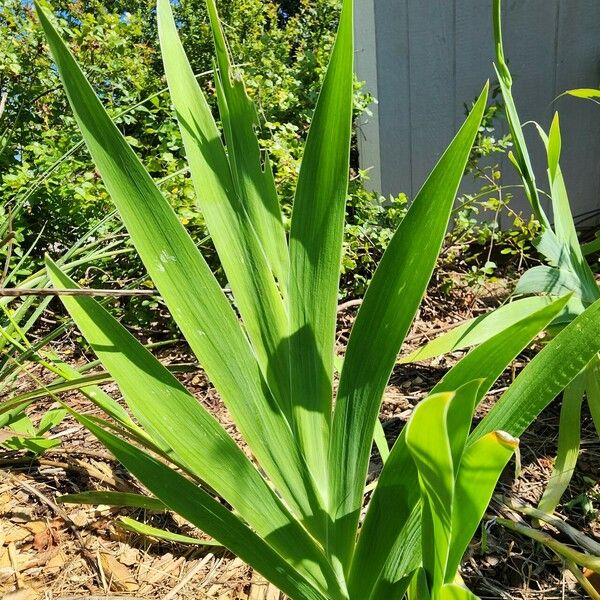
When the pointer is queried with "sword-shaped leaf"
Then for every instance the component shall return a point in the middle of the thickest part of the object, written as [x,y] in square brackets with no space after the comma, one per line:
[569,438]
[476,331]
[396,493]
[316,252]
[185,282]
[383,320]
[232,206]
[162,404]
[428,443]
[480,468]
[252,174]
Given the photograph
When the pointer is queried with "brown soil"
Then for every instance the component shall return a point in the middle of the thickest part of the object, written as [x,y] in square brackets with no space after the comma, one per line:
[50,550]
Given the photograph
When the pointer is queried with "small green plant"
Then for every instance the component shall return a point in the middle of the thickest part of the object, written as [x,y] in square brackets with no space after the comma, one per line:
[297,520]
[24,297]
[28,437]
[566,272]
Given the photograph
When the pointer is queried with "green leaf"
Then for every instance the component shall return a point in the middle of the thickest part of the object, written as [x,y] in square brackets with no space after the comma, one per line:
[537,385]
[452,591]
[591,247]
[460,416]
[429,445]
[51,419]
[22,424]
[418,589]
[488,361]
[381,441]
[554,146]
[185,282]
[480,468]
[571,256]
[550,281]
[476,331]
[592,388]
[553,250]
[520,155]
[93,392]
[569,438]
[380,328]
[254,181]
[231,214]
[162,404]
[565,231]
[549,372]
[400,564]
[148,531]
[113,499]
[587,93]
[316,251]
[12,412]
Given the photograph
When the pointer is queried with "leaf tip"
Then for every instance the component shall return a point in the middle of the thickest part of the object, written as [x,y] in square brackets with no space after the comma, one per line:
[507,440]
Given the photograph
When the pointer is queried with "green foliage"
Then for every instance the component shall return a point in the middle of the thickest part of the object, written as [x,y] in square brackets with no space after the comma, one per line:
[486,230]
[282,50]
[116,43]
[41,130]
[370,225]
[26,435]
[270,355]
[566,272]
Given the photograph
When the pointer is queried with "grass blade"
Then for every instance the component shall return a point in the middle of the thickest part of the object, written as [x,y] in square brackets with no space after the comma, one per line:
[113,499]
[145,530]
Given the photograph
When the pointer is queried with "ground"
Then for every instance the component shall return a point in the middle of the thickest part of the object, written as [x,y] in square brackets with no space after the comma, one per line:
[51,550]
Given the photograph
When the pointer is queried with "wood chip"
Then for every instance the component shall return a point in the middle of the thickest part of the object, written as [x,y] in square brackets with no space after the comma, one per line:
[118,576]
[22,594]
[79,517]
[129,556]
[36,526]
[16,534]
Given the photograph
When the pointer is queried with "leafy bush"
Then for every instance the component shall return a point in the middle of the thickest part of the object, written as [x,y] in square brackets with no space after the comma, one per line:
[282,49]
[275,369]
[117,45]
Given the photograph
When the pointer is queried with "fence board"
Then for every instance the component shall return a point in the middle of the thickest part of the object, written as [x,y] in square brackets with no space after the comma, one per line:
[433,56]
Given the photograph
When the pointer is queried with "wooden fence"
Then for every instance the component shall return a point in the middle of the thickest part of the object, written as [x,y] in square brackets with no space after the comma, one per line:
[424,59]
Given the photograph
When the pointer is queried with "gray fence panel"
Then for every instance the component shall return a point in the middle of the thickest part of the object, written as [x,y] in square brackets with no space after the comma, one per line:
[425,59]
